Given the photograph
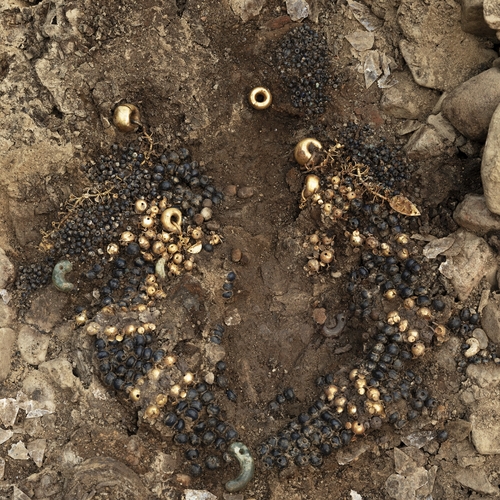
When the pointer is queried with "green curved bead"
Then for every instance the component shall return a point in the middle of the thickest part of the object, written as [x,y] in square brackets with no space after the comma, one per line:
[59,276]
[242,454]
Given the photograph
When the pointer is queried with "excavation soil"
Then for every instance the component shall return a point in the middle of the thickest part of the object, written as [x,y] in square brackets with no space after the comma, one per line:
[189,67]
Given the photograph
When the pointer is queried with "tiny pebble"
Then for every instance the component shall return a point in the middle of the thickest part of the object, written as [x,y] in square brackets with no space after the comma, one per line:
[245,192]
[210,378]
[319,315]
[198,219]
[235,254]
[213,225]
[230,190]
[206,213]
[207,203]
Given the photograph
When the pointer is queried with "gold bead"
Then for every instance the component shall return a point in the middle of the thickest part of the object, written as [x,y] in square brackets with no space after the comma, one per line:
[140,206]
[330,391]
[391,294]
[418,349]
[129,329]
[161,400]
[110,331]
[393,318]
[188,378]
[147,222]
[127,237]
[175,390]
[260,98]
[373,394]
[127,118]
[425,313]
[81,319]
[326,256]
[197,233]
[144,242]
[135,394]
[311,185]
[358,428]
[171,220]
[412,336]
[158,247]
[409,303]
[112,249]
[304,150]
[151,412]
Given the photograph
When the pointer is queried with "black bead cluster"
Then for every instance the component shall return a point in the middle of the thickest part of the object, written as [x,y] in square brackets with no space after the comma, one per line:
[303,63]
[98,217]
[228,286]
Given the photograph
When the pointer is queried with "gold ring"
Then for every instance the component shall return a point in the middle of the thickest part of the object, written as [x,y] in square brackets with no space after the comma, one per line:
[260,98]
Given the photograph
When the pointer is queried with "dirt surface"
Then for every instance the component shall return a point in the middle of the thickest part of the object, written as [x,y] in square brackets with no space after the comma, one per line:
[189,67]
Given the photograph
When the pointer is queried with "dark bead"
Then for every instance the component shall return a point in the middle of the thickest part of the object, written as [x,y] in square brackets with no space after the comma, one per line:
[438,305]
[303,418]
[133,249]
[231,276]
[231,434]
[441,436]
[192,414]
[315,460]
[345,437]
[196,405]
[199,427]
[170,419]
[208,437]
[201,387]
[191,454]
[213,409]
[195,470]
[430,403]
[221,366]
[181,438]
[180,425]
[454,323]
[207,397]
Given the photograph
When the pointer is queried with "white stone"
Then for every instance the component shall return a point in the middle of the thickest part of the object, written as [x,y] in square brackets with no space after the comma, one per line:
[297,9]
[36,450]
[61,372]
[198,495]
[7,340]
[32,345]
[18,451]
[5,435]
[246,9]
[490,165]
[6,269]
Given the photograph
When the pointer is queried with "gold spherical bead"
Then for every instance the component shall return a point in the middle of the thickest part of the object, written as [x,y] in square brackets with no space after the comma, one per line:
[147,222]
[112,249]
[140,206]
[326,256]
[311,185]
[135,394]
[127,118]
[151,412]
[260,98]
[418,349]
[305,149]
[358,428]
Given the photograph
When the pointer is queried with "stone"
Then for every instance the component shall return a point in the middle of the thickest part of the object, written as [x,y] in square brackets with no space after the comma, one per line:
[443,127]
[297,9]
[418,439]
[38,387]
[480,335]
[475,479]
[491,13]
[36,450]
[353,452]
[470,106]
[32,345]
[18,451]
[458,430]
[235,254]
[406,99]
[18,494]
[485,414]
[485,376]
[5,435]
[319,315]
[245,192]
[473,214]
[7,340]
[490,164]
[198,495]
[61,373]
[427,143]
[6,269]
[473,20]
[2,468]
[230,190]
[361,40]
[416,483]
[439,54]
[468,261]
[46,309]
[7,314]
[490,318]
[8,411]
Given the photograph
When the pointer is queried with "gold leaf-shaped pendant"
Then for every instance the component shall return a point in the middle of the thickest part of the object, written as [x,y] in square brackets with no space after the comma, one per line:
[403,206]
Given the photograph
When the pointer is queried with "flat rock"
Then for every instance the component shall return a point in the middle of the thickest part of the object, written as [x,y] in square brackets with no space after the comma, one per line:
[468,260]
[430,64]
[427,143]
[18,451]
[473,20]
[406,99]
[245,192]
[473,214]
[246,9]
[6,269]
[297,9]
[417,482]
[484,426]
[46,309]
[491,13]
[490,319]
[490,164]
[61,373]
[475,479]
[7,340]
[32,345]
[470,106]
[198,495]
[7,314]
[485,376]
[458,430]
